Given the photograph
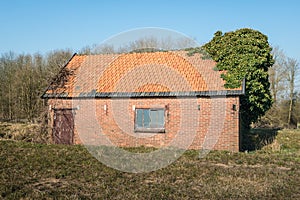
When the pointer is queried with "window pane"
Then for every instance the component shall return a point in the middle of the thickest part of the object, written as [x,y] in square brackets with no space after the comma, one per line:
[139,117]
[153,116]
[161,118]
[157,118]
[146,118]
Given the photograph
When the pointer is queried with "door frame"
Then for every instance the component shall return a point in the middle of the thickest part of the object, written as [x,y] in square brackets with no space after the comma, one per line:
[72,111]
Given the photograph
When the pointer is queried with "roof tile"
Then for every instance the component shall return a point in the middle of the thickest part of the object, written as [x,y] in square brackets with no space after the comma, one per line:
[156,72]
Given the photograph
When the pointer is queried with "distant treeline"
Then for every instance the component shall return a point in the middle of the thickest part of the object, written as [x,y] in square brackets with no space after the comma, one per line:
[23,78]
[284,81]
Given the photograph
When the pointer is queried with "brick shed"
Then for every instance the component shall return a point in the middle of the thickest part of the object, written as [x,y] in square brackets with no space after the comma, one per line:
[144,99]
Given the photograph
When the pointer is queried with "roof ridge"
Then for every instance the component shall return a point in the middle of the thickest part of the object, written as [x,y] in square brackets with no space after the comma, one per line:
[132,52]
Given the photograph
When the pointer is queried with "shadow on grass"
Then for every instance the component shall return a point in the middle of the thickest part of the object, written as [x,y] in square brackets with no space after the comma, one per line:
[257,138]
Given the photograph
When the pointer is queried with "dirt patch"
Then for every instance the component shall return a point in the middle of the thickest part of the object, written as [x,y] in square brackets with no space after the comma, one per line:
[49,184]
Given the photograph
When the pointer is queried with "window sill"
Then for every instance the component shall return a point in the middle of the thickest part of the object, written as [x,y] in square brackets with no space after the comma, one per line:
[149,130]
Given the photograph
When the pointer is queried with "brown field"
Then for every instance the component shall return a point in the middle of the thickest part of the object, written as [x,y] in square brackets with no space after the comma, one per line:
[47,171]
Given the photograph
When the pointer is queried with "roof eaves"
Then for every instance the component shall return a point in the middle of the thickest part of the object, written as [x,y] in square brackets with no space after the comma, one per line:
[218,93]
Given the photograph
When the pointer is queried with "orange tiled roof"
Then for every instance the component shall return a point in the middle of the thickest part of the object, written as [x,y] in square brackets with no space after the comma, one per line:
[155,72]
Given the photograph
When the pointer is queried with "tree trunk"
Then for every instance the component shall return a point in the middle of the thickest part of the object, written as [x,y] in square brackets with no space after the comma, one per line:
[292,68]
[290,112]
[9,103]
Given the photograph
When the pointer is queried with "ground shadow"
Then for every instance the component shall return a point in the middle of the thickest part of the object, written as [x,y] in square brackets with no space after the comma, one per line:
[255,139]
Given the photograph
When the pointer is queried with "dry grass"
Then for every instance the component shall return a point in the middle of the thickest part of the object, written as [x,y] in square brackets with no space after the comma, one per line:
[40,171]
[26,132]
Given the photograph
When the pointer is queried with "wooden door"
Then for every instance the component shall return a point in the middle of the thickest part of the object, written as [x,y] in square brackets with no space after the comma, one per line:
[63,126]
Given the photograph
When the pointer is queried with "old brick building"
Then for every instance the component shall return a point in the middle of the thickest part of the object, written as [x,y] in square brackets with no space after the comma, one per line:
[150,99]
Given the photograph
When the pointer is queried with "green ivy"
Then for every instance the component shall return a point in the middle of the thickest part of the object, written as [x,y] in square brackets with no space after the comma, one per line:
[245,53]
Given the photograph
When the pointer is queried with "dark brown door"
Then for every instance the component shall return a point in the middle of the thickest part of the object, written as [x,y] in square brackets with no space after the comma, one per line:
[63,127]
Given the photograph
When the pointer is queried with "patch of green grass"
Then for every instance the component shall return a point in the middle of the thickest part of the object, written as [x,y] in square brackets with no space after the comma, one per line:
[41,171]
[289,139]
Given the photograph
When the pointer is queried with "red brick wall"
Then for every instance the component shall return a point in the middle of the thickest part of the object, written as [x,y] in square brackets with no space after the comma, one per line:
[214,126]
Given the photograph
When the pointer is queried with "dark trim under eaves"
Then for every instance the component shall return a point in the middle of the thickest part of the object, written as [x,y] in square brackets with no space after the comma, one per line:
[94,94]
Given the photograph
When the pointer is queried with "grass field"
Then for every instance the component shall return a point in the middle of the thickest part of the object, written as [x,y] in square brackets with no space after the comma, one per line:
[40,171]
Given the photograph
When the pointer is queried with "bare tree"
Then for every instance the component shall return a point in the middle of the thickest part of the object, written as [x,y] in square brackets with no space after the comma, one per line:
[7,79]
[164,44]
[277,74]
[292,69]
[141,45]
[105,49]
[283,85]
[55,60]
[23,78]
[98,49]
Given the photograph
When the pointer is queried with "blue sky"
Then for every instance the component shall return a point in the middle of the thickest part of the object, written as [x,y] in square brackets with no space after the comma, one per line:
[30,26]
